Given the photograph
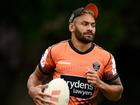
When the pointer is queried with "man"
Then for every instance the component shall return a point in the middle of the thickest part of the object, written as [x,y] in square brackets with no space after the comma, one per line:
[86,67]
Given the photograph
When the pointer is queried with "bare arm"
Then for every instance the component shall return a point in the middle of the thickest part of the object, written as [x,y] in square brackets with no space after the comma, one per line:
[111,91]
[35,87]
[36,78]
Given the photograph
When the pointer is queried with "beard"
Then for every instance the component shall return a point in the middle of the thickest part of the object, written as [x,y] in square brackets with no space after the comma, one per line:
[86,37]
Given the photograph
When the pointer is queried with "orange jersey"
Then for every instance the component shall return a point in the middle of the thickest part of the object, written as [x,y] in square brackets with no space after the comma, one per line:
[72,65]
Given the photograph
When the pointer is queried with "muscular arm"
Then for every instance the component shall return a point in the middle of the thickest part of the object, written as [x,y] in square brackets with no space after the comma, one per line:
[111,91]
[35,87]
[36,78]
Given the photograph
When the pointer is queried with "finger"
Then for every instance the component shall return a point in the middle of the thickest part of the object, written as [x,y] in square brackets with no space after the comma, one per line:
[43,100]
[39,102]
[48,101]
[91,72]
[90,81]
[44,94]
[89,78]
[43,86]
[92,76]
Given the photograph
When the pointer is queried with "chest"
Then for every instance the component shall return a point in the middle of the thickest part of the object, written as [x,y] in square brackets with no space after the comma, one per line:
[76,64]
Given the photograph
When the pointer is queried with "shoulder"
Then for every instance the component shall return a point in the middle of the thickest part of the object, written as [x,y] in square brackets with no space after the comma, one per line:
[102,51]
[60,45]
[58,48]
[102,54]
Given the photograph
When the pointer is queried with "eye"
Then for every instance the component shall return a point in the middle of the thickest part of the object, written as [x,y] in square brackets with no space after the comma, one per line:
[85,23]
[93,24]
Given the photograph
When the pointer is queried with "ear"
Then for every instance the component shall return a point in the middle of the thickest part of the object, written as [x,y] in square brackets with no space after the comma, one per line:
[71,27]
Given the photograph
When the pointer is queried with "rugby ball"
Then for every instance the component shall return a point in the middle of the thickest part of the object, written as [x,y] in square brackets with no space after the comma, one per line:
[59,91]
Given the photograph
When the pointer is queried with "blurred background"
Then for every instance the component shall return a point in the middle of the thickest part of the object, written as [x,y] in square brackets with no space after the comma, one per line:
[28,27]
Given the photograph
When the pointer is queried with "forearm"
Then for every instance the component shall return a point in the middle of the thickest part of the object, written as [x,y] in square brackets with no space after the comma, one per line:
[111,92]
[33,81]
[36,78]
[35,86]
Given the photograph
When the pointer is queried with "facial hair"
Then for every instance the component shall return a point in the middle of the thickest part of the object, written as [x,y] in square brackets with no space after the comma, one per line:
[86,37]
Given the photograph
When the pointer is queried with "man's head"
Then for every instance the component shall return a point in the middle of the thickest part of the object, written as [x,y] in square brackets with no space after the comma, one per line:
[82,23]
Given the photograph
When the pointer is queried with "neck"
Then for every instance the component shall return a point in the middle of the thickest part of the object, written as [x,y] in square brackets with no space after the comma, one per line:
[80,46]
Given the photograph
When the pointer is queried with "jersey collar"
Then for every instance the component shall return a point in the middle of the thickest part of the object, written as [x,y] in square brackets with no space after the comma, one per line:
[78,51]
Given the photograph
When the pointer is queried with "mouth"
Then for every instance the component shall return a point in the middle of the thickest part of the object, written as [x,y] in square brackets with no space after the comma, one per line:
[88,35]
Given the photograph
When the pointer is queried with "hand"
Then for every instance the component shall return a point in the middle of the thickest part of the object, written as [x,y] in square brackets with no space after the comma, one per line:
[93,78]
[37,95]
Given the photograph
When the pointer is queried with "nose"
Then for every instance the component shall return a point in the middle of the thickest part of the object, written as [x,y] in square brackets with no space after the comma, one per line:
[91,28]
